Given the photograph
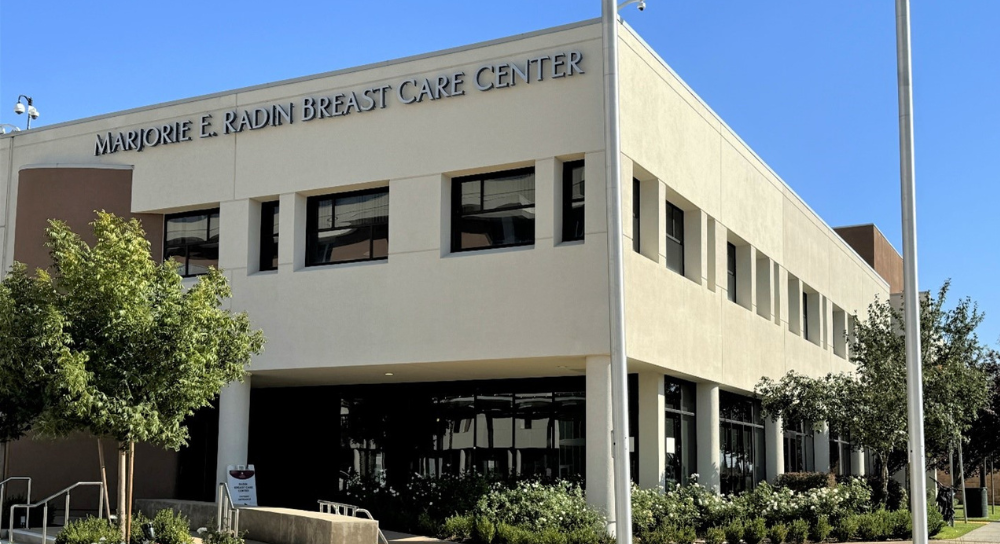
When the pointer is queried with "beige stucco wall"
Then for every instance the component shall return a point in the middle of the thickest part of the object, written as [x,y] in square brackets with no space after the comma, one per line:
[686,326]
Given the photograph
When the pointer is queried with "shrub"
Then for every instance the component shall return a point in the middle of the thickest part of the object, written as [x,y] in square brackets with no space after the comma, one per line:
[801,482]
[538,507]
[457,528]
[755,531]
[734,531]
[87,531]
[686,535]
[715,535]
[846,528]
[798,531]
[220,537]
[935,520]
[169,527]
[484,530]
[871,526]
[896,499]
[821,529]
[777,533]
[899,525]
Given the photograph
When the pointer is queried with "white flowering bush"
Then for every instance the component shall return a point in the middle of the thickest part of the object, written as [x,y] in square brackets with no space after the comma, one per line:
[540,507]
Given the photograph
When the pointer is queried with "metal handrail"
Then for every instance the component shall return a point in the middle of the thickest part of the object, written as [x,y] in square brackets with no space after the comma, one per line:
[228,518]
[44,503]
[350,510]
[3,494]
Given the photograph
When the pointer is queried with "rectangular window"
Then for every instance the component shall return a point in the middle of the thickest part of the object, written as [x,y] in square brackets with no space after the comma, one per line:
[742,441]
[192,240]
[798,445]
[573,198]
[675,238]
[493,210]
[635,215]
[731,270]
[805,315]
[680,441]
[347,227]
[269,236]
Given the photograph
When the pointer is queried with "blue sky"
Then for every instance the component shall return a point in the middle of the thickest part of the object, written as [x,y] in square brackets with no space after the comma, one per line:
[811,86]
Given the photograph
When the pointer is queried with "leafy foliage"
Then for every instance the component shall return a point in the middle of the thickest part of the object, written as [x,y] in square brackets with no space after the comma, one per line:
[87,531]
[169,527]
[804,481]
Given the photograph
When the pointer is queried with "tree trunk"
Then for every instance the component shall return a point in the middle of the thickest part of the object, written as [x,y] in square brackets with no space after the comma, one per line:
[131,479]
[104,479]
[885,478]
[122,474]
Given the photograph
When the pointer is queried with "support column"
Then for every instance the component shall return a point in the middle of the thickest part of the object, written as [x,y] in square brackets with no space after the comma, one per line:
[858,463]
[709,442]
[652,431]
[234,427]
[774,446]
[600,465]
[821,448]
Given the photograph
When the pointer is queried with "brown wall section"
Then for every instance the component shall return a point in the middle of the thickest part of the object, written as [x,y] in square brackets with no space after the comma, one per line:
[876,250]
[73,195]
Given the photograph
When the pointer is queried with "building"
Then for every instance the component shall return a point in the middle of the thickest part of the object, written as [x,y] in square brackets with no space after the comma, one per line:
[424,243]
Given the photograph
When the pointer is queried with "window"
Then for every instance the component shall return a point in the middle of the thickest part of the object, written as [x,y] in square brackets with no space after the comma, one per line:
[805,315]
[798,444]
[347,227]
[573,198]
[192,240]
[493,210]
[681,443]
[675,238]
[840,454]
[269,236]
[731,270]
[742,440]
[635,215]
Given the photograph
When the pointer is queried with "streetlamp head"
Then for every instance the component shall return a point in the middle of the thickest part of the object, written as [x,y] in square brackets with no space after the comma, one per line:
[32,112]
[19,108]
[642,5]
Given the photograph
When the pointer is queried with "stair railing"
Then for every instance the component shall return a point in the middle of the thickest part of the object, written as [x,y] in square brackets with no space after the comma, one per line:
[44,503]
[228,518]
[350,510]
[3,494]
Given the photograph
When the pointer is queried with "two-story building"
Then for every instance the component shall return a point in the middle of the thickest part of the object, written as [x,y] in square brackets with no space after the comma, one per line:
[424,243]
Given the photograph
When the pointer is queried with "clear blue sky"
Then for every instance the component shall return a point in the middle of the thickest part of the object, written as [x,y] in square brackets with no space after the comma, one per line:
[811,86]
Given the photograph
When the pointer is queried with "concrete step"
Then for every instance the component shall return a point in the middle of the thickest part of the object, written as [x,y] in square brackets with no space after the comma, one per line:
[32,536]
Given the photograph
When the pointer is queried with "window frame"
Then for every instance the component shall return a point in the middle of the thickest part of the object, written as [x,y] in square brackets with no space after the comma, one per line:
[456,206]
[207,212]
[671,211]
[268,235]
[568,200]
[731,264]
[312,227]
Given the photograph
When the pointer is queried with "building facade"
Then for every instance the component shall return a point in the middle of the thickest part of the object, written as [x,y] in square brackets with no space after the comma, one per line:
[424,244]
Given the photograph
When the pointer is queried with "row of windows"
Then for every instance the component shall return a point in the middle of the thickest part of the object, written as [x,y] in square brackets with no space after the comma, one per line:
[489,211]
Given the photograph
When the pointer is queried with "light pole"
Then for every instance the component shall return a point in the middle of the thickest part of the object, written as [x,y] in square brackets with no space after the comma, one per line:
[616,273]
[911,302]
[19,108]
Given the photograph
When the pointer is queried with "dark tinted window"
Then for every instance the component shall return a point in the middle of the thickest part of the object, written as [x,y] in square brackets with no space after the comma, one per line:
[573,199]
[731,270]
[805,315]
[635,215]
[347,227]
[681,444]
[742,440]
[192,240]
[269,235]
[675,238]
[493,210]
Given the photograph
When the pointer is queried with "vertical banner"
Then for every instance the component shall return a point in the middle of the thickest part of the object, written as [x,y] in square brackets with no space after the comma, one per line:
[242,482]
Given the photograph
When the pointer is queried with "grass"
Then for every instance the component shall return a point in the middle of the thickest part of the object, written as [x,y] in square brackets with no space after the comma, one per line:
[960,529]
[994,516]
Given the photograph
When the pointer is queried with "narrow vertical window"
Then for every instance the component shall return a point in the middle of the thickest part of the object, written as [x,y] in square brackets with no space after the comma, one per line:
[573,199]
[805,315]
[192,240]
[675,238]
[269,236]
[635,215]
[731,270]
[347,227]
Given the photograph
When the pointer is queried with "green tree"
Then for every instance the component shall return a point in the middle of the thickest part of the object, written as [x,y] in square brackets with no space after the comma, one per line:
[140,352]
[870,404]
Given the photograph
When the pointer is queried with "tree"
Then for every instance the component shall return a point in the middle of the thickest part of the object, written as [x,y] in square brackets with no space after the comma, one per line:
[140,352]
[870,405]
[983,437]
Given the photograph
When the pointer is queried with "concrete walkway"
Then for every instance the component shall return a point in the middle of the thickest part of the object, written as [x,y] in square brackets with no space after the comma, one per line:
[402,538]
[989,532]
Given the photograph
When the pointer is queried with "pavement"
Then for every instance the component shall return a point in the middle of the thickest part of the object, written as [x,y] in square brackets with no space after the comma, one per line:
[989,532]
[402,538]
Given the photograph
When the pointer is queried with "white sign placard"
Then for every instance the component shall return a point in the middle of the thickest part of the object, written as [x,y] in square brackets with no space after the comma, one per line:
[242,482]
[671,445]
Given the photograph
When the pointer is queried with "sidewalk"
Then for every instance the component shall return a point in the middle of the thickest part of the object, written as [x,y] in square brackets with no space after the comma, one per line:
[987,533]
